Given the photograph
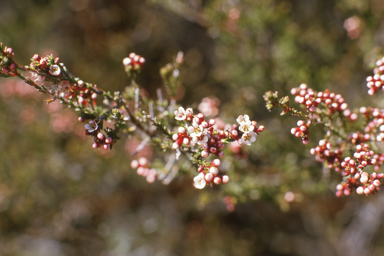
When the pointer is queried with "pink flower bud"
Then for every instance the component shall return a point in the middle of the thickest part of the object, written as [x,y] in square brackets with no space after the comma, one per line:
[81,100]
[360,190]
[217,180]
[141,171]
[225,179]
[135,164]
[36,57]
[214,170]
[376,183]
[175,136]
[143,161]
[186,141]
[150,178]
[204,153]
[127,61]
[175,145]
[208,177]
[100,136]
[189,112]
[216,162]
[300,123]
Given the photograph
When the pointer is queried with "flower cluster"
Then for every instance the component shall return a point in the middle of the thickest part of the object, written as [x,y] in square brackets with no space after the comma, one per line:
[208,175]
[347,145]
[133,63]
[331,101]
[203,134]
[7,65]
[301,130]
[93,129]
[324,153]
[376,82]
[141,166]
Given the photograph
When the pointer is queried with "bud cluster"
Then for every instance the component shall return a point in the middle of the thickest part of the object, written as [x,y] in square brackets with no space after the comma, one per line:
[208,175]
[141,166]
[324,153]
[301,130]
[133,63]
[376,82]
[8,67]
[331,101]
[99,138]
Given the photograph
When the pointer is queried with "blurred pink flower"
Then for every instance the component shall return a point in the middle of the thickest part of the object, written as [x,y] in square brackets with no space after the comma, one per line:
[352,25]
[209,106]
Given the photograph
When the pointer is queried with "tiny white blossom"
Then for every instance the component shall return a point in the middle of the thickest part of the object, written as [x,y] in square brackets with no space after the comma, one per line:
[91,126]
[240,119]
[196,130]
[199,181]
[200,139]
[54,70]
[245,123]
[189,112]
[249,137]
[180,114]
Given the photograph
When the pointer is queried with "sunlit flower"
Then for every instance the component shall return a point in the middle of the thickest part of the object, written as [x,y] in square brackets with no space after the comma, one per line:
[180,114]
[196,130]
[54,70]
[245,123]
[249,137]
[91,126]
[199,181]
[199,139]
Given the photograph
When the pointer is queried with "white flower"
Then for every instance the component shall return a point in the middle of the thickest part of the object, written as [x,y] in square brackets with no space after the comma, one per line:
[200,139]
[199,181]
[249,137]
[91,126]
[54,70]
[240,119]
[245,123]
[189,112]
[196,130]
[127,61]
[180,114]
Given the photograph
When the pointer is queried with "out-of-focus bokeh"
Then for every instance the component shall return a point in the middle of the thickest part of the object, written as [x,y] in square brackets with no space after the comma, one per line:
[60,197]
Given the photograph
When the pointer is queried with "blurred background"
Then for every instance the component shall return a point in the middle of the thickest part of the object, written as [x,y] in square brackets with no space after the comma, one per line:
[60,197]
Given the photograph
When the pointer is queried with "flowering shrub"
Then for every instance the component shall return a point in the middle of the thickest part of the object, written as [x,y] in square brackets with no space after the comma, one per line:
[349,145]
[161,122]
